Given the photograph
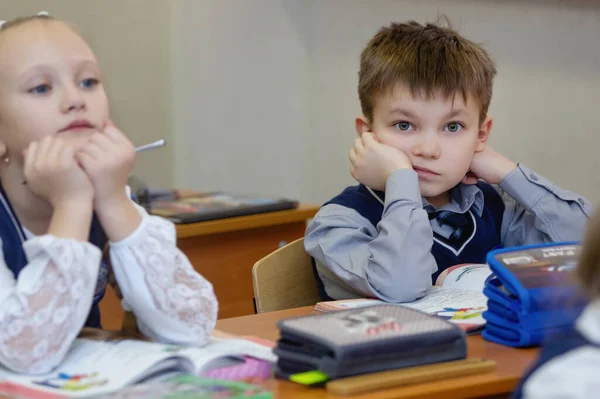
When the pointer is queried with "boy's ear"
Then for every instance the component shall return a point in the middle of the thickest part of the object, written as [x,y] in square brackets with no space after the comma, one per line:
[361,125]
[484,133]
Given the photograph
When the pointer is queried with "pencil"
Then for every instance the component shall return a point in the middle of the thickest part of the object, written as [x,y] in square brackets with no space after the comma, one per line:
[411,375]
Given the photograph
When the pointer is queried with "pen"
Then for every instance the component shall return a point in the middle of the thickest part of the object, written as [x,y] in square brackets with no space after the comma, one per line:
[150,146]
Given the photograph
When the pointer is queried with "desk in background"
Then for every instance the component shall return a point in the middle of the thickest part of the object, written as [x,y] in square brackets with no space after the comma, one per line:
[224,251]
[512,364]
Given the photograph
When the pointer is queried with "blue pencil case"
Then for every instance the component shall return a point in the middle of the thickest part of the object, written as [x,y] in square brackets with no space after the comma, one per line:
[498,330]
[533,293]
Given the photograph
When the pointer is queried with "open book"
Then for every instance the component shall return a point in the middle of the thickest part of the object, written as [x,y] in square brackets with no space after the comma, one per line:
[456,296]
[94,368]
[190,387]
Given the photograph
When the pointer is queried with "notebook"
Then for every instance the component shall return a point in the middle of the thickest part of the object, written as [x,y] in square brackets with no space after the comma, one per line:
[188,207]
[100,367]
[457,297]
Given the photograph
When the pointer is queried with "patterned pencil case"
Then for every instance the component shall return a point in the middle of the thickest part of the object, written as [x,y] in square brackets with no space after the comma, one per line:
[365,340]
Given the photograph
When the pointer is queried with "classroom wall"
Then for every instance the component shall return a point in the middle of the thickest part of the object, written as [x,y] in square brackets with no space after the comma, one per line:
[264,91]
[260,96]
[131,39]
[242,86]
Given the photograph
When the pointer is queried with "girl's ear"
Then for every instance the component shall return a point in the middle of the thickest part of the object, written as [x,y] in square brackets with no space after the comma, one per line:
[3,152]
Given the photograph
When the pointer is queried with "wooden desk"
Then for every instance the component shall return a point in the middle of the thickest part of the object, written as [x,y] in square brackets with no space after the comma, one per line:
[512,364]
[224,251]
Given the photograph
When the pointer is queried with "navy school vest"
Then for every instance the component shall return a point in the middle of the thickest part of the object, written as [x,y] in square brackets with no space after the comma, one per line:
[12,236]
[480,237]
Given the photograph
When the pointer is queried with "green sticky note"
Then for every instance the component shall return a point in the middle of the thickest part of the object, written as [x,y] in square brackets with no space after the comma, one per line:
[309,377]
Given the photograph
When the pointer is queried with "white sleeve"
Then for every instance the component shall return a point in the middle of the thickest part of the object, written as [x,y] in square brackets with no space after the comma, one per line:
[42,311]
[570,376]
[171,301]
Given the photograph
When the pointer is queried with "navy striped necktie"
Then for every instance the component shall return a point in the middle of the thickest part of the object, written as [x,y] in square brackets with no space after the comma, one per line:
[458,221]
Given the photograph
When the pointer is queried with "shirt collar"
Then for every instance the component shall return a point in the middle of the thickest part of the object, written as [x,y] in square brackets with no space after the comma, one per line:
[463,197]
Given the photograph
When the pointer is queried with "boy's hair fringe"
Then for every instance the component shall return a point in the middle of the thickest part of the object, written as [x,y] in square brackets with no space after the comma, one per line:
[429,59]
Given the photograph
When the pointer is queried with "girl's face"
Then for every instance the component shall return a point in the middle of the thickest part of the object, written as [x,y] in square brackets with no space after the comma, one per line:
[50,84]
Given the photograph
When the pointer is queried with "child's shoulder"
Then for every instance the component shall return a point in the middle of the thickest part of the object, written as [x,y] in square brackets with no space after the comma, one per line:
[359,198]
[358,194]
[487,189]
[491,197]
[564,361]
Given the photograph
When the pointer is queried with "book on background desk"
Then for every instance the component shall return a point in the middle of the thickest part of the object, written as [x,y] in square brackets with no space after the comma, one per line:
[181,206]
[457,296]
[99,367]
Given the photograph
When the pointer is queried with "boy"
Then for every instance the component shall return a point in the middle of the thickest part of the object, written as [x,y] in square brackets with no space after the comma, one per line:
[420,206]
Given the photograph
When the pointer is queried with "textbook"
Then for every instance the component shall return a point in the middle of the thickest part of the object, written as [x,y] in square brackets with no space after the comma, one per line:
[182,206]
[457,296]
[93,367]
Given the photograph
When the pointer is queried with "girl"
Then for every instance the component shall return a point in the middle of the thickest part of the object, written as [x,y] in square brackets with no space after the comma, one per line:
[569,366]
[63,174]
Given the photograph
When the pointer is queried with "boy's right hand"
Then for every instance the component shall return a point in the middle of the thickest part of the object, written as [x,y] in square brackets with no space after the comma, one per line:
[52,173]
[371,162]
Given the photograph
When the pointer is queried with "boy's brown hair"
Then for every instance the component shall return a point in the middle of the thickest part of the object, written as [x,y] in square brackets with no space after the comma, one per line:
[429,59]
[588,270]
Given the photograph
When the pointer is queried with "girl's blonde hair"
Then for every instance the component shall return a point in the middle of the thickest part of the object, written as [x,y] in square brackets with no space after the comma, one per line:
[21,20]
[588,270]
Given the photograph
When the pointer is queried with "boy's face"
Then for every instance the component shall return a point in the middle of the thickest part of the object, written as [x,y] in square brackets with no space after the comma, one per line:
[439,135]
[50,84]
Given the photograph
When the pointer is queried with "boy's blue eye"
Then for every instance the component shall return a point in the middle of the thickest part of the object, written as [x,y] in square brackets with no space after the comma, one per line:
[40,89]
[404,126]
[453,127]
[89,83]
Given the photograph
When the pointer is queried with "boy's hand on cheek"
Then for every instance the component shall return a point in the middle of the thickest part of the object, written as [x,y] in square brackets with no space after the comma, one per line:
[371,162]
[108,158]
[490,166]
